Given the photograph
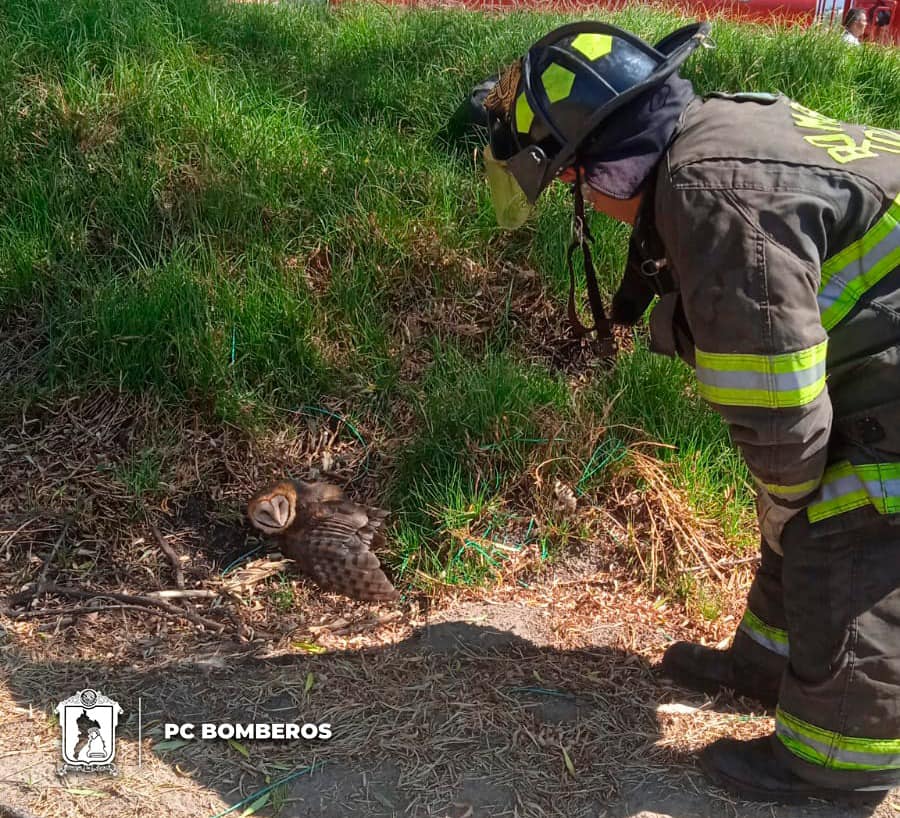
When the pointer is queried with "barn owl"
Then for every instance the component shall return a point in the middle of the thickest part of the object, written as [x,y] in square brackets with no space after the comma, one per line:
[329,537]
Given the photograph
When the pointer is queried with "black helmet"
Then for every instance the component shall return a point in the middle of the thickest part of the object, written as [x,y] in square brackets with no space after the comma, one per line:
[571,80]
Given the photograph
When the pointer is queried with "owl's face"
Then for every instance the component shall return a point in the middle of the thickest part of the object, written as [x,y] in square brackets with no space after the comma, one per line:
[273,509]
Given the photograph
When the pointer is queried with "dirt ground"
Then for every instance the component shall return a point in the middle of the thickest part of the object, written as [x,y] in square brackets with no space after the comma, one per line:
[477,711]
[533,696]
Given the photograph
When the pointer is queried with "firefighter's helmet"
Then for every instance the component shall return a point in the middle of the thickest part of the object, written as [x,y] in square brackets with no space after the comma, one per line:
[569,82]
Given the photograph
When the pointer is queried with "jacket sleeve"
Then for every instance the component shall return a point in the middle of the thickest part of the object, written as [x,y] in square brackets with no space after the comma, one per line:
[748,275]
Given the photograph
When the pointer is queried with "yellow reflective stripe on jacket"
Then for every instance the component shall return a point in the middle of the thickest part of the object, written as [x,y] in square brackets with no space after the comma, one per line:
[768,636]
[792,492]
[829,749]
[848,275]
[769,381]
[846,487]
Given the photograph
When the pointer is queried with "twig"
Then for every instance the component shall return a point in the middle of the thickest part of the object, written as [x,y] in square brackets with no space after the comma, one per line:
[359,627]
[725,564]
[42,578]
[131,599]
[171,554]
[10,538]
[190,593]
[79,609]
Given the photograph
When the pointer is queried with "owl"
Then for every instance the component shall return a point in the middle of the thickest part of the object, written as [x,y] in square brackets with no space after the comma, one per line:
[329,537]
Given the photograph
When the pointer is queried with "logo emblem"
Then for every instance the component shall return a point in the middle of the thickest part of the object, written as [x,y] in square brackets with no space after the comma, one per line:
[88,721]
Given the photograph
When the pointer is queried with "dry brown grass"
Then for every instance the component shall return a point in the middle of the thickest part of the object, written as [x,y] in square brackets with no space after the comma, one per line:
[104,493]
[85,482]
[108,493]
[442,700]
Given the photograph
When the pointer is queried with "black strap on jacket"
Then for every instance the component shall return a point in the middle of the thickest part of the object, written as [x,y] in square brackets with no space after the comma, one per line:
[647,272]
[582,238]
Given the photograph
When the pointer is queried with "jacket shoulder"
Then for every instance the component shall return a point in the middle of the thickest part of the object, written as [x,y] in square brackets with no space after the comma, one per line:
[754,140]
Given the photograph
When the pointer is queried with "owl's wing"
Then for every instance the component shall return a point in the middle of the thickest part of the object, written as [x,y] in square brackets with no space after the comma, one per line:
[311,494]
[333,545]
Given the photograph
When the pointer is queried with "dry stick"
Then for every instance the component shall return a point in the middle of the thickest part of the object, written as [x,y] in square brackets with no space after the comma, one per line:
[171,554]
[726,564]
[11,537]
[42,578]
[79,609]
[710,564]
[238,625]
[131,599]
[190,593]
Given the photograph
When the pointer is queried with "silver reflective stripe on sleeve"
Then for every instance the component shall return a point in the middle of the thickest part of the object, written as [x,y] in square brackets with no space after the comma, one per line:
[829,749]
[786,380]
[846,487]
[769,637]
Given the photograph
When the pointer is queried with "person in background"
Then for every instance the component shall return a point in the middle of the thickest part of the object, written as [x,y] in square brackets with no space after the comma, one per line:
[854,26]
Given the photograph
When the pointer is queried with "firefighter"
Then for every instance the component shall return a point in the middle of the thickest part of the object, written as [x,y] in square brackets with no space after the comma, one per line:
[768,235]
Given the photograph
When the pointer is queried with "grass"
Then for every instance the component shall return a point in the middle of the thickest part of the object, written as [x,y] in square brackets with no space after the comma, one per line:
[252,206]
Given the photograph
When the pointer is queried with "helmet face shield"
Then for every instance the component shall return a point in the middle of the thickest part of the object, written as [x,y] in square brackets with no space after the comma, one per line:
[511,205]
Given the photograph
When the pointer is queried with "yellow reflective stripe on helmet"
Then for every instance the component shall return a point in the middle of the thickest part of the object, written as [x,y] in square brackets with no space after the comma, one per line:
[593,46]
[524,114]
[791,492]
[834,750]
[768,381]
[846,487]
[848,275]
[558,82]
[771,638]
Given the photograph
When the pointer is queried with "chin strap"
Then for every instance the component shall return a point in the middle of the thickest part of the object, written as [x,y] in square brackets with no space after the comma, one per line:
[582,238]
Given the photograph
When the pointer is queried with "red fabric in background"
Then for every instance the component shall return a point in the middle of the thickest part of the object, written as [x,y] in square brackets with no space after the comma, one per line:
[799,12]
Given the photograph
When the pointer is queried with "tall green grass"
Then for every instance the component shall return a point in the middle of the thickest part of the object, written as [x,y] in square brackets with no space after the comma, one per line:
[230,200]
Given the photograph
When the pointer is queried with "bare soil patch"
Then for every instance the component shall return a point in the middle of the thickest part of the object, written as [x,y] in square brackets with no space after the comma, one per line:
[465,716]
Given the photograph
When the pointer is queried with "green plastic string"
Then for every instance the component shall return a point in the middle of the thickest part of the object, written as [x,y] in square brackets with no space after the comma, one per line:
[259,794]
[240,559]
[610,450]
[328,413]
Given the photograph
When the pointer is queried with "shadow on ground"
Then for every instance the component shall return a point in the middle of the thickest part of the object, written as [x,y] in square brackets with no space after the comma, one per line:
[458,720]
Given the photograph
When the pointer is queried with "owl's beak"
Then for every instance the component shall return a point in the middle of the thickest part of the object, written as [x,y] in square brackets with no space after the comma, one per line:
[282,509]
[274,513]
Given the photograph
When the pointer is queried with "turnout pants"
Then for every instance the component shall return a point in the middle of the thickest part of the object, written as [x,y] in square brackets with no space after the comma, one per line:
[825,618]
